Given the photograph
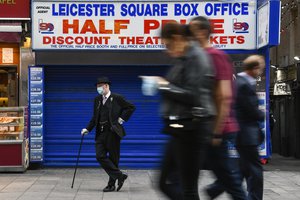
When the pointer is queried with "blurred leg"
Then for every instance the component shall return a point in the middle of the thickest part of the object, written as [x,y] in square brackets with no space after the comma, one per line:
[169,182]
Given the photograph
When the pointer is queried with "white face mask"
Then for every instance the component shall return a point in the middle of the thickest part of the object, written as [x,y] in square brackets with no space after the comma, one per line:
[100,90]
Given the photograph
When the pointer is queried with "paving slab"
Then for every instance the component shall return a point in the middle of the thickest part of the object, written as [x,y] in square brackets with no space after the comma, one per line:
[280,182]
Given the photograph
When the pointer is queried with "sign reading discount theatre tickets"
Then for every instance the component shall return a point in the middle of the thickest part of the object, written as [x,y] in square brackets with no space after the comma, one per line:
[136,25]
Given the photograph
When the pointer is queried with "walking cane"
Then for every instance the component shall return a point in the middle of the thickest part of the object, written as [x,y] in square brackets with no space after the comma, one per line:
[77,160]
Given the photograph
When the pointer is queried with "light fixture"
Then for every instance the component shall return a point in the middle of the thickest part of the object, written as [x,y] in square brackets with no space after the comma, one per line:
[27,42]
[296,58]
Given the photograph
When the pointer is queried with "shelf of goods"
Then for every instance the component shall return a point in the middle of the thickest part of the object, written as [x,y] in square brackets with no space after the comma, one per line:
[14,143]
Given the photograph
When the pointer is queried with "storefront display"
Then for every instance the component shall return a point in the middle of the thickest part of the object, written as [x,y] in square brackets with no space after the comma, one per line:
[8,86]
[14,149]
[14,143]
[76,42]
[14,18]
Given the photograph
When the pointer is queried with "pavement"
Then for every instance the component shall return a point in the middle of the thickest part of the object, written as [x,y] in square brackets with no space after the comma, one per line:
[281,182]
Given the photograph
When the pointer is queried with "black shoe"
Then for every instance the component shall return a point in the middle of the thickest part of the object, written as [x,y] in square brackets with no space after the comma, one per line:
[121,181]
[109,188]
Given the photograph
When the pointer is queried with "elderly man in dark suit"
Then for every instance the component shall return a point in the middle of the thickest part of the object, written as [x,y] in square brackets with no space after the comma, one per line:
[249,116]
[110,111]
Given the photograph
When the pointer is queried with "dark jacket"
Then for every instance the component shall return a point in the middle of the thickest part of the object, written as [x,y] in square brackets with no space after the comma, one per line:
[118,107]
[190,92]
[248,114]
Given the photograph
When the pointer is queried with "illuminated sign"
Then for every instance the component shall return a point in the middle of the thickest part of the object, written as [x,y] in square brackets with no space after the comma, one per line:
[128,25]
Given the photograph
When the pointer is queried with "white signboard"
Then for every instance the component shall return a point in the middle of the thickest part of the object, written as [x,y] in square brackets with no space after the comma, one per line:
[136,25]
[282,89]
[7,55]
[263,26]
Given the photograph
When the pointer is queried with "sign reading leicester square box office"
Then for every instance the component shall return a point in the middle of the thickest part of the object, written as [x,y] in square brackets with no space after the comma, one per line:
[136,25]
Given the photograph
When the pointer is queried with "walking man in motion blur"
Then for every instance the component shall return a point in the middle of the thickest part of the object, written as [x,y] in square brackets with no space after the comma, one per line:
[250,135]
[223,163]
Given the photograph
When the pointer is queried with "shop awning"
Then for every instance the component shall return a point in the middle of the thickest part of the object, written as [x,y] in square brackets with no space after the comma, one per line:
[10,31]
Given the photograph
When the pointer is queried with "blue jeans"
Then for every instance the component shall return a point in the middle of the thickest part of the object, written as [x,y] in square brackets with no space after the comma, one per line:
[224,162]
[252,171]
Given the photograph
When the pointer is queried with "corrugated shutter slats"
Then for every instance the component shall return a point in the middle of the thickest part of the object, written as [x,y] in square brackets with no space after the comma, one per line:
[69,95]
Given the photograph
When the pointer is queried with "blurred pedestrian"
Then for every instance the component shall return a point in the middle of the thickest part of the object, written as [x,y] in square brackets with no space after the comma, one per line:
[111,110]
[188,111]
[222,156]
[250,136]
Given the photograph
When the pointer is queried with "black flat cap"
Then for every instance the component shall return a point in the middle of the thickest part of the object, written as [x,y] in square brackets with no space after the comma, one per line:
[103,80]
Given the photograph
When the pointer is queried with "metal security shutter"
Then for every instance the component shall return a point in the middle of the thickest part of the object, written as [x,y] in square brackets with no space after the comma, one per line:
[69,95]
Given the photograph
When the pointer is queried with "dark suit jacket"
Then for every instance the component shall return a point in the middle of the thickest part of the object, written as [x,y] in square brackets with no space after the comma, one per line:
[118,107]
[248,114]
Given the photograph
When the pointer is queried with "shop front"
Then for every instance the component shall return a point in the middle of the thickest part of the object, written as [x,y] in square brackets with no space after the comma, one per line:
[13,128]
[13,16]
[286,110]
[77,42]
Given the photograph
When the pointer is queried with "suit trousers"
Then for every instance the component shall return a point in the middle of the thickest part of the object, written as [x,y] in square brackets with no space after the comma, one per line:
[108,153]
[252,171]
[224,163]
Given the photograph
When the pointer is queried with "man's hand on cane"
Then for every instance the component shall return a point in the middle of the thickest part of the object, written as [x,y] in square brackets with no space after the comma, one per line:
[84,131]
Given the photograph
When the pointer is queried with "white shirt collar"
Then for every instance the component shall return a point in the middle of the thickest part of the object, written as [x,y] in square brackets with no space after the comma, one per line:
[107,95]
[250,79]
